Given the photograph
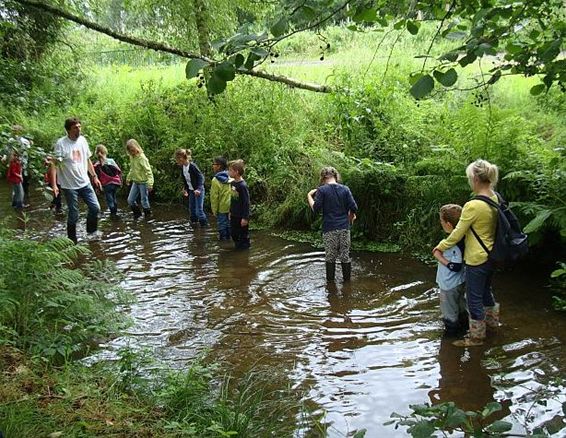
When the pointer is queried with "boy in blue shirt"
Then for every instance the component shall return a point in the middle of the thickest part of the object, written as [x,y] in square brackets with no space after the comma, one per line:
[450,276]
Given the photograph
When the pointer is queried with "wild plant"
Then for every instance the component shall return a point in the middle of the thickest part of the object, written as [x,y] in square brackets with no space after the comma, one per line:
[54,301]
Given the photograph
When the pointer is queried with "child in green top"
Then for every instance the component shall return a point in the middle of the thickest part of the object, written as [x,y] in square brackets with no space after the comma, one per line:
[141,178]
[220,196]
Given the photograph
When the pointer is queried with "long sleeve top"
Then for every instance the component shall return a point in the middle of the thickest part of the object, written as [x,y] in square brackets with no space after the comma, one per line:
[140,170]
[335,201]
[240,202]
[483,219]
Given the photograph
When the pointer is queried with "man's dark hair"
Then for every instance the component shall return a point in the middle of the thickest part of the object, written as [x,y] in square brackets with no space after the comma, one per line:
[221,161]
[69,123]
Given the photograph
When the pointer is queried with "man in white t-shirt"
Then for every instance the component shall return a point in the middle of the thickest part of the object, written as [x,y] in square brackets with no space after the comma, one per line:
[72,167]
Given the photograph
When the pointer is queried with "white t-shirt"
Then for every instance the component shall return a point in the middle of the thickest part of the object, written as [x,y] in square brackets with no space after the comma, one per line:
[72,172]
[187,175]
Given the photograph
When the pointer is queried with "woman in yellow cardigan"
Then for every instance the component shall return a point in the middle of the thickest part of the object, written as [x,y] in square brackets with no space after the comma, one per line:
[482,307]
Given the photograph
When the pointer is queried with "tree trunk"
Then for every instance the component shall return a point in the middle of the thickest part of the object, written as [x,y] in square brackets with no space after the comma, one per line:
[201,21]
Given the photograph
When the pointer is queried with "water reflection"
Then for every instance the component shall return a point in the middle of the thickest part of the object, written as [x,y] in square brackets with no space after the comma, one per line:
[360,351]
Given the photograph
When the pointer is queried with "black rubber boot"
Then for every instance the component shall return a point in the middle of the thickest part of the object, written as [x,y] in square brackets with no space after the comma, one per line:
[346,271]
[91,225]
[452,329]
[137,211]
[72,232]
[147,212]
[330,271]
[464,322]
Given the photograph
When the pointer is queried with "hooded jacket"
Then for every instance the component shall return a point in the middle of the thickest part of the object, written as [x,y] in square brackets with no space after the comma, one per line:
[220,193]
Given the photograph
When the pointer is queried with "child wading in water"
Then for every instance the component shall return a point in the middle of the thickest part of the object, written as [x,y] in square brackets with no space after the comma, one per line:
[450,276]
[110,177]
[15,177]
[141,177]
[193,180]
[239,205]
[338,212]
[220,196]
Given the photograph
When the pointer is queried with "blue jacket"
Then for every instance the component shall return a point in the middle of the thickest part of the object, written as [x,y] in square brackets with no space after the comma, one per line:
[335,201]
[197,178]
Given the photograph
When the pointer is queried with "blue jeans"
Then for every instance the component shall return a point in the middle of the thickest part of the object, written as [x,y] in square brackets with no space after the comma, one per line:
[196,207]
[110,195]
[478,289]
[223,225]
[139,190]
[18,195]
[89,197]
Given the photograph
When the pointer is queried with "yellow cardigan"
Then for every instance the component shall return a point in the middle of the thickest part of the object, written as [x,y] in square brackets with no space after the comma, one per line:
[483,218]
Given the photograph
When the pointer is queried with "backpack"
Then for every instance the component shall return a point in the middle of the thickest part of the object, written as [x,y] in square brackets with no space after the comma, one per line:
[510,243]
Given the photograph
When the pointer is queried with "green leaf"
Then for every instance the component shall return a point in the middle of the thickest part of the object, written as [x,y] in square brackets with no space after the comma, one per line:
[194,66]
[423,429]
[412,27]
[468,59]
[537,89]
[239,60]
[552,51]
[449,56]
[360,433]
[215,85]
[539,219]
[249,64]
[494,78]
[499,426]
[280,27]
[225,71]
[422,87]
[490,408]
[259,51]
[399,24]
[447,78]
[368,15]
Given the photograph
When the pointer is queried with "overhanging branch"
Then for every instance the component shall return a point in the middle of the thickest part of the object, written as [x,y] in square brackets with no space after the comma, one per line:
[161,47]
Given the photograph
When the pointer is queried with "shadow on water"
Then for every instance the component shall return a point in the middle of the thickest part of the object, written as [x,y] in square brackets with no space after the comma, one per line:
[359,351]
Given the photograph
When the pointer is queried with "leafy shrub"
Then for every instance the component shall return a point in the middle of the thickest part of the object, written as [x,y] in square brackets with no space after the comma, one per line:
[52,304]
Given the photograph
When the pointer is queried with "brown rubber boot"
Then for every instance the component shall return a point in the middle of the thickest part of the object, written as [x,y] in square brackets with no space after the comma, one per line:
[475,336]
[492,317]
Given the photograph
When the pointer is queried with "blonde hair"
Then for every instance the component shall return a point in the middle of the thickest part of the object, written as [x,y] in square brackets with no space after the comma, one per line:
[329,172]
[101,148]
[133,143]
[483,171]
[451,213]
[238,166]
[186,154]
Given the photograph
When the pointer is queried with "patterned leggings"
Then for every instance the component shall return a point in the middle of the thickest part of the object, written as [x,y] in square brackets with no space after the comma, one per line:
[337,245]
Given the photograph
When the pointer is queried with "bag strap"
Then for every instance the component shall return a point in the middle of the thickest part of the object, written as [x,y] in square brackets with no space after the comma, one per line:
[480,241]
[491,203]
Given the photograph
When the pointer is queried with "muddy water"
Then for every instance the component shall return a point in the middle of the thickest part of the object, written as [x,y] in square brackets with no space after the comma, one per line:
[360,351]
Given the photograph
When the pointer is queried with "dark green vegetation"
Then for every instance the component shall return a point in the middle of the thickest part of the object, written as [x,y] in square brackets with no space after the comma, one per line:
[55,306]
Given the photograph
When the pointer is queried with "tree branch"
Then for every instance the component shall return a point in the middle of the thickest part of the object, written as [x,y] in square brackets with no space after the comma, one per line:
[161,47]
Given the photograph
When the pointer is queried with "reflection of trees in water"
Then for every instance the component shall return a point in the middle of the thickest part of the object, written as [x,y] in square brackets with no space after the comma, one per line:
[463,380]
[235,271]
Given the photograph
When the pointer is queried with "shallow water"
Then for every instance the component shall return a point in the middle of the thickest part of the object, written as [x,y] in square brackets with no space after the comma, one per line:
[360,351]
